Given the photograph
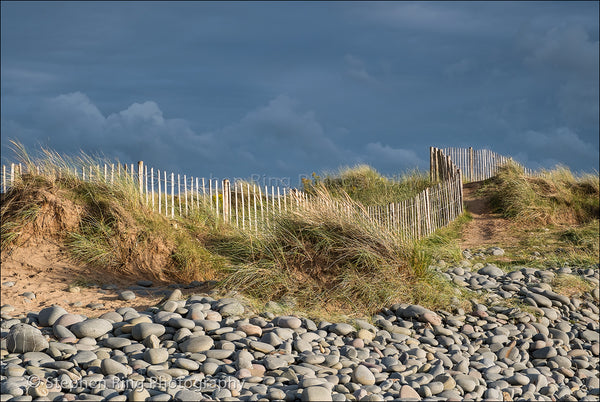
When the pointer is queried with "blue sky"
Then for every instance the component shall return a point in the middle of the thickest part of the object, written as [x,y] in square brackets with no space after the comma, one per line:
[279,89]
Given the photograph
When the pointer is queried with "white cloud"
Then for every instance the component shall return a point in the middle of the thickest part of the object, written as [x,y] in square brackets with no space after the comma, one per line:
[72,122]
[280,138]
[279,135]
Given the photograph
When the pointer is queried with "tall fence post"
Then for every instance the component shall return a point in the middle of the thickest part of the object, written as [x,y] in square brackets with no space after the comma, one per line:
[470,163]
[431,163]
[141,177]
[226,200]
[172,195]
[152,186]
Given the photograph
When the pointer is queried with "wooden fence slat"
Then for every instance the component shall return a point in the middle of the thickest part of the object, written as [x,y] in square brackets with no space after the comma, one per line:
[255,214]
[172,195]
[210,193]
[243,208]
[237,215]
[152,186]
[185,193]
[159,195]
[146,183]
[262,215]
[217,198]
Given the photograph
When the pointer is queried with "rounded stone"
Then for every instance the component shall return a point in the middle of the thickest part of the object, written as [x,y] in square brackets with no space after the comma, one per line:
[408,392]
[144,329]
[341,329]
[170,306]
[289,322]
[93,328]
[250,329]
[231,309]
[126,295]
[112,316]
[432,318]
[177,322]
[262,346]
[274,362]
[491,270]
[316,393]
[115,342]
[62,332]
[546,352]
[24,338]
[138,395]
[186,395]
[209,368]
[156,356]
[363,375]
[518,379]
[466,382]
[113,367]
[67,320]
[197,344]
[187,364]
[48,316]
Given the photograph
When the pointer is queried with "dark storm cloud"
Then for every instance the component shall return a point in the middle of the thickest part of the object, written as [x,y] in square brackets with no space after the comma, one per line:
[290,88]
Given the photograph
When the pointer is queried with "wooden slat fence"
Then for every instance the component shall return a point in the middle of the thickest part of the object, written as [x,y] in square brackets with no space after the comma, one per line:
[248,206]
[476,164]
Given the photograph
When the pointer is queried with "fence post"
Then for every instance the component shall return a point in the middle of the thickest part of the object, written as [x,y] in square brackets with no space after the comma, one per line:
[428,211]
[197,195]
[226,200]
[217,198]
[470,163]
[172,195]
[185,193]
[431,164]
[262,212]
[152,186]
[461,190]
[146,183]
[418,216]
[140,177]
[237,212]
[267,202]
[255,212]
[166,193]
[179,193]
[210,192]
[159,196]
[243,207]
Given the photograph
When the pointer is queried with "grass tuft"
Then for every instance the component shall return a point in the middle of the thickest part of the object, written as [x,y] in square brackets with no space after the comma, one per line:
[367,186]
[554,197]
[571,285]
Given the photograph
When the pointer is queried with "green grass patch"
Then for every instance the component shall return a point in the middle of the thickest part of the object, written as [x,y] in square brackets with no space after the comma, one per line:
[554,197]
[571,285]
[444,243]
[367,186]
